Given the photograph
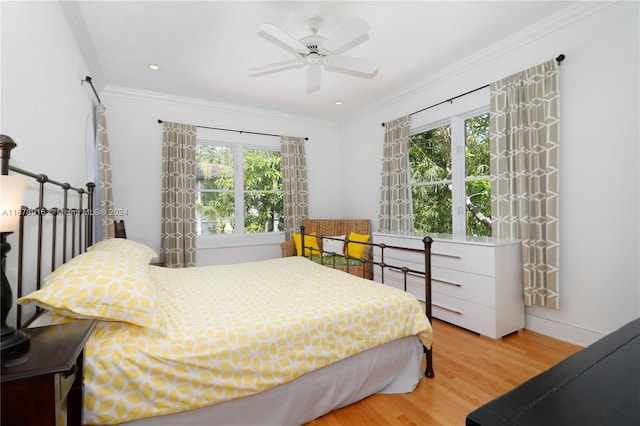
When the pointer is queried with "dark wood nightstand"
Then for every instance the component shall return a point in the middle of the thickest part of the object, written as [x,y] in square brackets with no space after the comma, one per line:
[45,382]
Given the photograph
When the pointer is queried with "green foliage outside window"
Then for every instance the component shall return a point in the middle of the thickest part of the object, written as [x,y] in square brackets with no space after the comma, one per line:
[478,191]
[430,165]
[432,178]
[263,191]
[262,194]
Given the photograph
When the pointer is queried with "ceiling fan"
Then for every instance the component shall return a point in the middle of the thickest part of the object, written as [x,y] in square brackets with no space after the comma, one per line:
[314,50]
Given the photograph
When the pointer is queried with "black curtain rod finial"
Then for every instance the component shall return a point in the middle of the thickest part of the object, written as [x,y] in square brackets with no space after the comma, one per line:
[560,58]
[95,92]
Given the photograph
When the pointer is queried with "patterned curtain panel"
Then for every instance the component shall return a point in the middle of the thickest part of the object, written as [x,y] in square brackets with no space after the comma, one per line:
[294,183]
[396,212]
[106,190]
[178,238]
[524,129]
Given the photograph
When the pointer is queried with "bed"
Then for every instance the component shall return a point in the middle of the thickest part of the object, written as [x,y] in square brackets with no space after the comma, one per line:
[281,341]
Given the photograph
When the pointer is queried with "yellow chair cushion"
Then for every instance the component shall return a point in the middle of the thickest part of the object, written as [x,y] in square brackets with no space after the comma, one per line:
[354,249]
[309,241]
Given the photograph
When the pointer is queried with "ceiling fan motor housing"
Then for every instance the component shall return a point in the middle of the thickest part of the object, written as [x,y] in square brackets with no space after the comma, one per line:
[316,52]
[310,50]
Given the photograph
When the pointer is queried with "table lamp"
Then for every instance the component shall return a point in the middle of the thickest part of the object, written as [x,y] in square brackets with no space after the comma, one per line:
[11,192]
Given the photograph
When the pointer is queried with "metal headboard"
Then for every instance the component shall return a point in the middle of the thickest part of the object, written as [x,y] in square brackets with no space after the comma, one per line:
[60,231]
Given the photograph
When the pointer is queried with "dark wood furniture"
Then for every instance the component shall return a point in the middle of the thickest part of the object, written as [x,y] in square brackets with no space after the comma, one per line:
[119,229]
[120,232]
[46,382]
[600,385]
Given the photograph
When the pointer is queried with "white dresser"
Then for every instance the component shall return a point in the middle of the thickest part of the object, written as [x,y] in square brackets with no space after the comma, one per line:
[476,282]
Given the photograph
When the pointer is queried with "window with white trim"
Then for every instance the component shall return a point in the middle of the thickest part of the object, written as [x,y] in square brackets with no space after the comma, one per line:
[239,185]
[449,162]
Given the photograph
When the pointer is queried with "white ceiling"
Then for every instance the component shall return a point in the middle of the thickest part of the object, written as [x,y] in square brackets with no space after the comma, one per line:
[205,48]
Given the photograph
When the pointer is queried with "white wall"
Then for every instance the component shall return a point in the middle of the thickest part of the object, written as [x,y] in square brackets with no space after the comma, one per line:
[600,185]
[135,138]
[46,109]
[44,106]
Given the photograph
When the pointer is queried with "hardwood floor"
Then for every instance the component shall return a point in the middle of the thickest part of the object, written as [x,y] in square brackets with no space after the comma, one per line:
[470,370]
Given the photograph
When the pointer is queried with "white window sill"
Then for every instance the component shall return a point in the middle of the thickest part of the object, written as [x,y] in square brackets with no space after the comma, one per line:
[245,240]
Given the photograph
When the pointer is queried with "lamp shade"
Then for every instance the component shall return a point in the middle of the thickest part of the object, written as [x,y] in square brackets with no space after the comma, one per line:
[11,192]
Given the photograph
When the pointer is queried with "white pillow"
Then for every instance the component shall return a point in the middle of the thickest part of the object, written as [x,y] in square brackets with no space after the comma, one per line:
[333,246]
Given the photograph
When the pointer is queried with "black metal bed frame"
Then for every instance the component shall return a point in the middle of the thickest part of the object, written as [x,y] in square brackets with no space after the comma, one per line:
[427,241]
[77,236]
[70,232]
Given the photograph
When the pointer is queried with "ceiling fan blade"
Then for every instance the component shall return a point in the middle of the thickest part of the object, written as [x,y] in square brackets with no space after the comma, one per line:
[276,66]
[351,63]
[283,37]
[346,35]
[313,78]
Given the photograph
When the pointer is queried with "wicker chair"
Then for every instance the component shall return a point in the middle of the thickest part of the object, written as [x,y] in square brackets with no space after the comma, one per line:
[335,227]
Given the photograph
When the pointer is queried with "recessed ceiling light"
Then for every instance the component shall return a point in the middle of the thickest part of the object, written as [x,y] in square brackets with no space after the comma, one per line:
[337,103]
[154,67]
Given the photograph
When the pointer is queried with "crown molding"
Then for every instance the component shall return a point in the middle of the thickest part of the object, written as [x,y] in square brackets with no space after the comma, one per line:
[212,106]
[564,18]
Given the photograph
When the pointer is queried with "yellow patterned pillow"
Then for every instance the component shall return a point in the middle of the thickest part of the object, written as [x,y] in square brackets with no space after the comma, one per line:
[309,241]
[126,247]
[354,249]
[102,285]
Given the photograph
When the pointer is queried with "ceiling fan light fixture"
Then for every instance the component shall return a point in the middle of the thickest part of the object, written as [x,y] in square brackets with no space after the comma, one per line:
[314,58]
[154,67]
[314,51]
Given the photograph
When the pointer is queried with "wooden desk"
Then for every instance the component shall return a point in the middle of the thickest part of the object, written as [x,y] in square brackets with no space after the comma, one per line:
[41,386]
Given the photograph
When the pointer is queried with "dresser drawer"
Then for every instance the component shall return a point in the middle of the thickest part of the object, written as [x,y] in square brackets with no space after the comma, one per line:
[393,278]
[471,258]
[472,287]
[465,314]
[476,281]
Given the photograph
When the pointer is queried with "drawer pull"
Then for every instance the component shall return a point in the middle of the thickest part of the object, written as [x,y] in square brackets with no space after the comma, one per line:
[447,309]
[452,256]
[446,282]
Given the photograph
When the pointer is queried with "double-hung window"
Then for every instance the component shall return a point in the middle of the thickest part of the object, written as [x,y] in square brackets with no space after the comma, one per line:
[449,164]
[239,184]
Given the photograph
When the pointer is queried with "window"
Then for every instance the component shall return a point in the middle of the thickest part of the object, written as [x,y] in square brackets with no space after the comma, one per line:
[450,187]
[239,188]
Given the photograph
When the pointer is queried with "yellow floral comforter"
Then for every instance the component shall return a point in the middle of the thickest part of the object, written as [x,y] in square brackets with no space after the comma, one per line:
[235,330]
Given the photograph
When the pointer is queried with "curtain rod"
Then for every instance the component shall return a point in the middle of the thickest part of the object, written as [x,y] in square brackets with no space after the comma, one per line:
[237,131]
[90,81]
[559,59]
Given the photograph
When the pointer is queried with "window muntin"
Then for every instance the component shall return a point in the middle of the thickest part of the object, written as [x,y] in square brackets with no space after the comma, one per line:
[239,189]
[449,164]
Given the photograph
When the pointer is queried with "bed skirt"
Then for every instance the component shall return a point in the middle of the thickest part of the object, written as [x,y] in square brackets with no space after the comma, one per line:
[394,367]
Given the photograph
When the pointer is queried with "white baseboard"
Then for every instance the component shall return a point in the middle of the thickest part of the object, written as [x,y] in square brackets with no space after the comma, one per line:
[563,331]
